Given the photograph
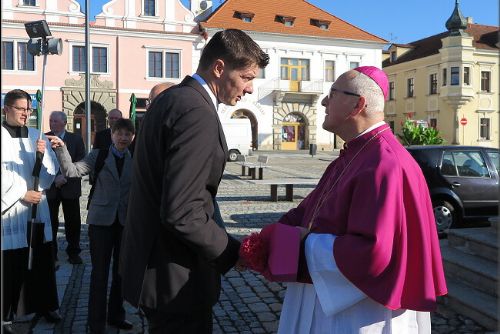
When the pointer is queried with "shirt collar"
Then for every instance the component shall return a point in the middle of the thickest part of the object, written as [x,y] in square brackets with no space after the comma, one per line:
[204,84]
[16,131]
[374,126]
[117,153]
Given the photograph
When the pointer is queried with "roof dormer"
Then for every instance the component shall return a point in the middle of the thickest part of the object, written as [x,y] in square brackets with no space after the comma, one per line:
[322,24]
[288,21]
[244,16]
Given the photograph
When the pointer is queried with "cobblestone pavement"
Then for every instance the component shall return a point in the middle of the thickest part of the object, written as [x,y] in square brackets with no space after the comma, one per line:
[248,303]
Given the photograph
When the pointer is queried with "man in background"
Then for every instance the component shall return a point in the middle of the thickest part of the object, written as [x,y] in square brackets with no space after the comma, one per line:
[103,138]
[66,191]
[157,90]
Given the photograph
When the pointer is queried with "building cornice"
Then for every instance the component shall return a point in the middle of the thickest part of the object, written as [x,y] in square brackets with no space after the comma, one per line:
[102,30]
[300,39]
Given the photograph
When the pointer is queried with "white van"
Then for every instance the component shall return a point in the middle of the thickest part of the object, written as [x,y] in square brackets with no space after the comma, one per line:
[238,134]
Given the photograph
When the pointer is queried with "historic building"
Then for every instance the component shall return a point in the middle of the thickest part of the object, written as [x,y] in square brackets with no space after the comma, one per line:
[137,43]
[448,81]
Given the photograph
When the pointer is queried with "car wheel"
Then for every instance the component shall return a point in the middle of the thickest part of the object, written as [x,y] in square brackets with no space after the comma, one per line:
[233,155]
[445,215]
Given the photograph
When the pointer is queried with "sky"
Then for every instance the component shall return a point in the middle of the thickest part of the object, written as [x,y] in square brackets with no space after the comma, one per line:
[397,21]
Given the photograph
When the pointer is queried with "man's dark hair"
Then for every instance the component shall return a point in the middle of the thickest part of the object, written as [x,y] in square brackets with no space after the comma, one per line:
[123,124]
[235,48]
[14,95]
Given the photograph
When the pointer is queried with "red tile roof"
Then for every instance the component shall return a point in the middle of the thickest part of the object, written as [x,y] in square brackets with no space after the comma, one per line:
[265,21]
[484,37]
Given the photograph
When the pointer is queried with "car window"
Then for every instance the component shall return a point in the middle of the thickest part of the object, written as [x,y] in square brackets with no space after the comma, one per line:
[494,159]
[470,163]
[448,166]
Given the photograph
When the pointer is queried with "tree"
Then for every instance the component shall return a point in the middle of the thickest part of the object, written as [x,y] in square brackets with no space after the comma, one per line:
[416,134]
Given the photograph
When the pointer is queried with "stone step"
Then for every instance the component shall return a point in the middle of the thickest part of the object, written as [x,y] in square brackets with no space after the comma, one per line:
[474,271]
[478,306]
[478,241]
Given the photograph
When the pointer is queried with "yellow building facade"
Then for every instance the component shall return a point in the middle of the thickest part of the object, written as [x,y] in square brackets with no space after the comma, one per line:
[449,81]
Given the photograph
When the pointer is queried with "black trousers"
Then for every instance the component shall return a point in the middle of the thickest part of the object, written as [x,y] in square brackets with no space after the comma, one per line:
[105,244]
[28,291]
[72,222]
[196,322]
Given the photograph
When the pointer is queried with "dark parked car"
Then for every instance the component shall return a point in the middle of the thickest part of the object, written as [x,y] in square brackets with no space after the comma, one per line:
[462,180]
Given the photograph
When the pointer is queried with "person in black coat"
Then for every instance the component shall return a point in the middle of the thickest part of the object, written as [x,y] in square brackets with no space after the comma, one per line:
[66,191]
[173,251]
[102,138]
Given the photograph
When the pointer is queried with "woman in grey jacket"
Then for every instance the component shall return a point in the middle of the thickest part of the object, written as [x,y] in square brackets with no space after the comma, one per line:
[106,218]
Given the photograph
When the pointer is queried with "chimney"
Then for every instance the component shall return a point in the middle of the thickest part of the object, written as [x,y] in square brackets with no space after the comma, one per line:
[470,20]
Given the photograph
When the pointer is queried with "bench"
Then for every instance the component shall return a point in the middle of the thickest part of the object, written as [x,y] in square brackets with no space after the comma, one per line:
[252,166]
[289,183]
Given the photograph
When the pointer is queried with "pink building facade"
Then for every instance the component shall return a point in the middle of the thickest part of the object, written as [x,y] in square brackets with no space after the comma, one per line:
[135,44]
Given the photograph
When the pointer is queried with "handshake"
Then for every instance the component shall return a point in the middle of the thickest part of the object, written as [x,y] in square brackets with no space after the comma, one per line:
[274,252]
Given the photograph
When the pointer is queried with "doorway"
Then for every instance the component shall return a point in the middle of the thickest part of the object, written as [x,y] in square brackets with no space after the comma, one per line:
[294,134]
[97,120]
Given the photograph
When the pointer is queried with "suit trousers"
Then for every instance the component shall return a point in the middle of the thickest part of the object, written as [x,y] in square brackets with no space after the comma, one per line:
[196,322]
[72,223]
[104,244]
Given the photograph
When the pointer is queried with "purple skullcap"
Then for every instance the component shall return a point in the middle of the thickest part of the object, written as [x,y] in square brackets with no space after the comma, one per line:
[377,75]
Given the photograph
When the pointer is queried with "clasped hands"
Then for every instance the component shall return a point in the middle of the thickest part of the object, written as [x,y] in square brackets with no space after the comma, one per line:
[242,266]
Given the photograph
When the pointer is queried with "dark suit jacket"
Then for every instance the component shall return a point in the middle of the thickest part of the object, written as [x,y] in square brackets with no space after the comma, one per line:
[73,188]
[102,139]
[173,252]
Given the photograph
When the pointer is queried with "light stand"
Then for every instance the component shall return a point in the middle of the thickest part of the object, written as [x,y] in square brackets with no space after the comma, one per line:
[39,44]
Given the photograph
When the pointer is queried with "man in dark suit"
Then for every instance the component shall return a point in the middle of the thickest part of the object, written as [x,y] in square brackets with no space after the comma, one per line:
[173,251]
[103,138]
[66,191]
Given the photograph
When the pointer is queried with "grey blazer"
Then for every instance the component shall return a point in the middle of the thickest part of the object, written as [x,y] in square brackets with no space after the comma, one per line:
[111,192]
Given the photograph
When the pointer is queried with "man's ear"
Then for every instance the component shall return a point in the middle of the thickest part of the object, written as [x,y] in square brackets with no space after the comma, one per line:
[360,106]
[218,68]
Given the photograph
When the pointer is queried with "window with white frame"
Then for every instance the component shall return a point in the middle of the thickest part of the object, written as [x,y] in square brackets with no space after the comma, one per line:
[98,59]
[79,61]
[455,76]
[485,81]
[410,86]
[155,60]
[467,75]
[15,56]
[484,128]
[149,7]
[172,65]
[163,64]
[353,64]
[29,3]
[7,55]
[329,71]
[433,83]
[391,90]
